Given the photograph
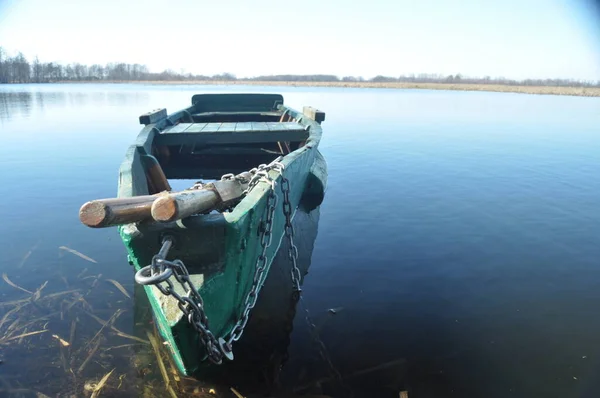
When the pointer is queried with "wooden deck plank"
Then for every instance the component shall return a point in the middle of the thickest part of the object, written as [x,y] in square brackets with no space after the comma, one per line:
[243,127]
[231,127]
[227,128]
[259,126]
[254,136]
[178,128]
[211,127]
[237,113]
[196,127]
[295,126]
[274,126]
[292,126]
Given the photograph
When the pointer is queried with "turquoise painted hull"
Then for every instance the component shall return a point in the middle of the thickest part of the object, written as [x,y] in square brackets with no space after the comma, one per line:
[220,249]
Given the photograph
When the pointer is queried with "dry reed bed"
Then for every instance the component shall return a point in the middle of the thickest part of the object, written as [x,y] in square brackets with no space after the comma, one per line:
[539,90]
[54,342]
[59,343]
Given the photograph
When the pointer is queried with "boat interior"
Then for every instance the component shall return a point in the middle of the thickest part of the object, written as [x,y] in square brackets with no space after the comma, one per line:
[211,149]
[218,135]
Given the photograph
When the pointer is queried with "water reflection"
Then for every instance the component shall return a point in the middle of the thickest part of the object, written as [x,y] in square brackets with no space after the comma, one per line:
[64,335]
[21,100]
[58,337]
[39,99]
[261,354]
[15,103]
[465,259]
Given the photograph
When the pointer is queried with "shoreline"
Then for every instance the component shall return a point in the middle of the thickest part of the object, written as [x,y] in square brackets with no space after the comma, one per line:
[537,90]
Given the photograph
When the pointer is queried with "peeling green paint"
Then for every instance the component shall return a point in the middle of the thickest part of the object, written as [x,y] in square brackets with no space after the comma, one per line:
[220,250]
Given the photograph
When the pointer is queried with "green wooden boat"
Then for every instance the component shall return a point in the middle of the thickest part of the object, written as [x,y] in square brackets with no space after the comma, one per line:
[203,252]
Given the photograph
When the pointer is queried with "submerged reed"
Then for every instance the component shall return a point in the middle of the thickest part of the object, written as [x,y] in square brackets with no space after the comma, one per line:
[74,342]
[49,347]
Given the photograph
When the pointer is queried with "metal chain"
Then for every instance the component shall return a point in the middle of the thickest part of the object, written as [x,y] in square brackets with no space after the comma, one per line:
[289,232]
[323,353]
[192,307]
[259,174]
[191,304]
[296,276]
[259,272]
[226,177]
[232,177]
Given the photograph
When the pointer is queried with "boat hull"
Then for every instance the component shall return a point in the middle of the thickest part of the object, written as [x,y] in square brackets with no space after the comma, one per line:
[220,249]
[212,244]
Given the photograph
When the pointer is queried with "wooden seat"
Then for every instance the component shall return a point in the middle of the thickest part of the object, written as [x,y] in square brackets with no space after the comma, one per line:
[263,113]
[236,117]
[231,133]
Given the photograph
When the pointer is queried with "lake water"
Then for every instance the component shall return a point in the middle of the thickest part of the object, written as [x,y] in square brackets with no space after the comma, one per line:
[458,242]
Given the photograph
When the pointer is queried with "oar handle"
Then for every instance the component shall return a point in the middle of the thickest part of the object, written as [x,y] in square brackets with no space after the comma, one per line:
[179,205]
[164,206]
[110,212]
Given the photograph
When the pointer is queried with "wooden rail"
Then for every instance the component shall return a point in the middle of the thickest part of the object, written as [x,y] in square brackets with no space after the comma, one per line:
[162,207]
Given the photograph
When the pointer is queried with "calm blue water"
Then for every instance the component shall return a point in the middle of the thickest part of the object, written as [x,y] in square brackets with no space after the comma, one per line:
[459,239]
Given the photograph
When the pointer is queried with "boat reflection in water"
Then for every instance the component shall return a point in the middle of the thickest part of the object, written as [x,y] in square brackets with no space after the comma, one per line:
[262,351]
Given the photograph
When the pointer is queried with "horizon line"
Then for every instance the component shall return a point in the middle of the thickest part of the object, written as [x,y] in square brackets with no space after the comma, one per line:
[340,77]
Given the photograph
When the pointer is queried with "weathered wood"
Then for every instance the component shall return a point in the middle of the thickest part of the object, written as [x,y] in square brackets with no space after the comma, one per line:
[155,174]
[153,116]
[236,117]
[229,190]
[239,102]
[145,137]
[220,114]
[152,189]
[110,212]
[195,128]
[224,256]
[237,150]
[200,139]
[132,176]
[162,207]
[162,153]
[278,126]
[211,127]
[262,126]
[243,127]
[227,128]
[204,172]
[178,205]
[284,116]
[178,128]
[229,133]
[313,113]
[187,148]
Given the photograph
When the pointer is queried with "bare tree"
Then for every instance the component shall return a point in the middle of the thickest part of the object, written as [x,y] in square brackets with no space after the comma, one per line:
[21,69]
[18,70]
[37,71]
[3,67]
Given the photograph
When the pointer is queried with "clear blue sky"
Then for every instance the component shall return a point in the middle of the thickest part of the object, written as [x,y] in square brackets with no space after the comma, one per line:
[510,38]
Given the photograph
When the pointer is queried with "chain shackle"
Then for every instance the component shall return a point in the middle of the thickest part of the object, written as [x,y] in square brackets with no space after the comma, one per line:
[160,271]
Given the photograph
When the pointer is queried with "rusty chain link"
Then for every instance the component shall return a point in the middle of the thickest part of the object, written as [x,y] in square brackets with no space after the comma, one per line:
[191,303]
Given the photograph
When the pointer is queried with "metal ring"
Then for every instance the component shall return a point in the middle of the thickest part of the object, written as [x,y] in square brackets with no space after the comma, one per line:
[144,276]
[225,349]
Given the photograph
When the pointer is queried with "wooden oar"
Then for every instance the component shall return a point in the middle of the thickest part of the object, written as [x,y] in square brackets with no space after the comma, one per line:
[163,206]
[175,206]
[110,212]
[155,175]
[179,205]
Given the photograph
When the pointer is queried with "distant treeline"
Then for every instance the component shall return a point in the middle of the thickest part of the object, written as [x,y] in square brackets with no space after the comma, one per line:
[18,69]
